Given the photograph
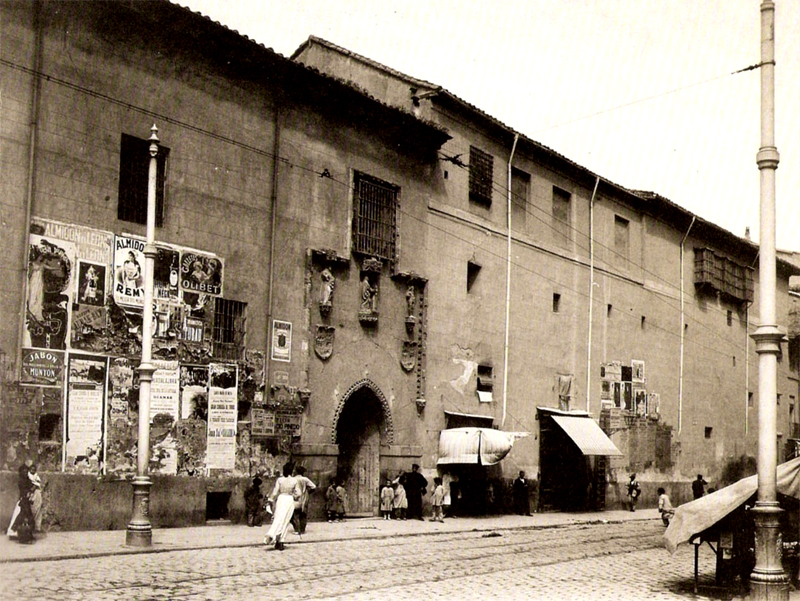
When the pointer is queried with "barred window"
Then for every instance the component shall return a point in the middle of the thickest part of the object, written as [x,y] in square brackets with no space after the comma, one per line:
[374,216]
[134,168]
[229,329]
[561,222]
[480,175]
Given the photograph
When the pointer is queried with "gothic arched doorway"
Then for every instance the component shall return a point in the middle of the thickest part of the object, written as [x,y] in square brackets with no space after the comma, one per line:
[362,423]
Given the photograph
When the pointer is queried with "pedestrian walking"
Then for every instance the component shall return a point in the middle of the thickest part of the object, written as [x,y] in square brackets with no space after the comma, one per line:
[416,486]
[22,522]
[282,499]
[252,502]
[387,500]
[699,487]
[521,491]
[400,502]
[437,499]
[665,507]
[37,501]
[300,517]
[634,490]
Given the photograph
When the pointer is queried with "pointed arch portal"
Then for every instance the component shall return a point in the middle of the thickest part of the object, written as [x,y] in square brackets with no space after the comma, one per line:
[363,421]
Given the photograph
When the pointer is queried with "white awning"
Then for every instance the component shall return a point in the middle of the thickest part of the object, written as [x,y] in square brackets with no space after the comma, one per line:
[585,433]
[481,446]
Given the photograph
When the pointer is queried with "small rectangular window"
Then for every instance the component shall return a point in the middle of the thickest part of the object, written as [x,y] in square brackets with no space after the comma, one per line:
[622,237]
[561,216]
[556,302]
[730,318]
[134,174]
[520,184]
[708,431]
[749,399]
[644,321]
[481,174]
[485,383]
[229,329]
[608,310]
[473,269]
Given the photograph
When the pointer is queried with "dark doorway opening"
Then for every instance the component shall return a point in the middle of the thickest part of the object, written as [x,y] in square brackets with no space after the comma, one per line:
[568,481]
[359,438]
[217,505]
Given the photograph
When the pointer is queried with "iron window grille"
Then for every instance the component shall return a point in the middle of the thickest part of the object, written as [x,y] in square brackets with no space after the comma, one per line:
[375,207]
[134,169]
[481,166]
[229,329]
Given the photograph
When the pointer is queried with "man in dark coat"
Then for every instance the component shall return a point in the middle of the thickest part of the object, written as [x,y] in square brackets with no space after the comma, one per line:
[415,486]
[521,500]
[699,487]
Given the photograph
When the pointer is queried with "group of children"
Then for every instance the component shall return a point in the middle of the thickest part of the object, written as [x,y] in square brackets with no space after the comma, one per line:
[395,504]
[336,501]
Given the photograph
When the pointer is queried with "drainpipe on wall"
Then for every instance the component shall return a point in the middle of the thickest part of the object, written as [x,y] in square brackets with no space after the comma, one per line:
[36,85]
[683,329]
[591,295]
[508,285]
[273,203]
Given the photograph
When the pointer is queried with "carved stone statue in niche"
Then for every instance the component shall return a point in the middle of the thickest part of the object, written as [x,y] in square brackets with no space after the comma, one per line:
[369,300]
[411,303]
[326,292]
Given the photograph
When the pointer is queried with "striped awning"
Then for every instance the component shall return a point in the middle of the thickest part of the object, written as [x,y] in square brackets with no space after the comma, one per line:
[481,446]
[585,433]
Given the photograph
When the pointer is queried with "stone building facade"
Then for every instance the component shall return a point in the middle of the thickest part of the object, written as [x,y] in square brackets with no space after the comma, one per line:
[337,282]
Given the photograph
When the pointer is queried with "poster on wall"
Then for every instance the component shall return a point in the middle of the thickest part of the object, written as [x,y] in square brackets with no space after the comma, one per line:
[262,422]
[637,372]
[281,340]
[222,403]
[86,380]
[201,273]
[166,275]
[640,402]
[42,367]
[165,390]
[194,392]
[91,284]
[129,271]
[51,267]
[122,384]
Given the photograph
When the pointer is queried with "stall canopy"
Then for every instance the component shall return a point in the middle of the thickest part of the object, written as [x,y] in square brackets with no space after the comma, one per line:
[699,515]
[585,433]
[481,446]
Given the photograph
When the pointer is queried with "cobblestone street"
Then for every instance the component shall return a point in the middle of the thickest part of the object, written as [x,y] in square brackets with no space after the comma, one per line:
[583,561]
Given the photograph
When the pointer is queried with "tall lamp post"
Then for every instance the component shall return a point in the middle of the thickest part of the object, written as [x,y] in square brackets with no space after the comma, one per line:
[140,532]
[768,580]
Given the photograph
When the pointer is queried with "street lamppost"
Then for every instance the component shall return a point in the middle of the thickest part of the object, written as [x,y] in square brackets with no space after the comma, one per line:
[768,580]
[140,532]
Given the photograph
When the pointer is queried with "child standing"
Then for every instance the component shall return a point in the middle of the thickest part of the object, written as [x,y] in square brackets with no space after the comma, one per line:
[340,507]
[400,501]
[437,500]
[387,499]
[330,500]
[665,506]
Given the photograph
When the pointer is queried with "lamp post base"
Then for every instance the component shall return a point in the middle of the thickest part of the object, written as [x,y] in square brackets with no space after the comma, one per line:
[768,582]
[140,532]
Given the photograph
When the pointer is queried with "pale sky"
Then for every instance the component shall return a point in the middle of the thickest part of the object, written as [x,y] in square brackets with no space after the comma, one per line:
[594,80]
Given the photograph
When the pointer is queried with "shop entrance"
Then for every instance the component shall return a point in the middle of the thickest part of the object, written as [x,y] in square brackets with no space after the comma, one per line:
[358,434]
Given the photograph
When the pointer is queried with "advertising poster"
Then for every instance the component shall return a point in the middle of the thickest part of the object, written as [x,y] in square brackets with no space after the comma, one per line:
[85,408]
[92,246]
[201,273]
[122,381]
[166,275]
[263,422]
[194,392]
[51,267]
[42,367]
[129,271]
[222,401]
[165,389]
[91,284]
[637,372]
[640,402]
[281,341]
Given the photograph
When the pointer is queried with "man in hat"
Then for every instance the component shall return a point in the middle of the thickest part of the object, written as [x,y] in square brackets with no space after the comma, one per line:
[699,487]
[252,502]
[416,486]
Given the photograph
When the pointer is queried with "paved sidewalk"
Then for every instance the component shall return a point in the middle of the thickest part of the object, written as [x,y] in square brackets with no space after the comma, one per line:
[66,545]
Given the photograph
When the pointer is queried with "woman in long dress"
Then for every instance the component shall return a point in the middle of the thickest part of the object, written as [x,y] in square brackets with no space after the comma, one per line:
[286,492]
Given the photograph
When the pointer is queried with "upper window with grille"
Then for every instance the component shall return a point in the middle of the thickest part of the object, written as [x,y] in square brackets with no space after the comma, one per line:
[375,205]
[480,175]
[229,329]
[134,169]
